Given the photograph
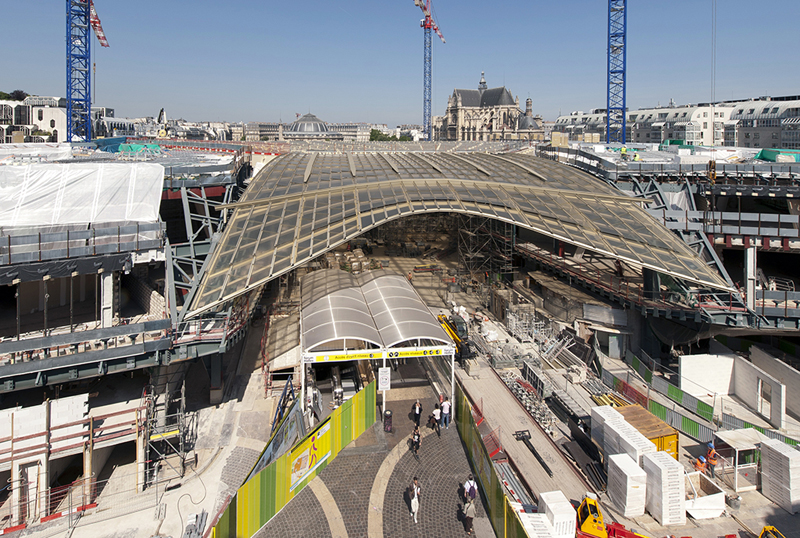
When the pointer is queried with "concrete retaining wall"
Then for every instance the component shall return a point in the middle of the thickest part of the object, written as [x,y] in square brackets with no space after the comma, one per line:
[783,373]
[746,376]
[695,374]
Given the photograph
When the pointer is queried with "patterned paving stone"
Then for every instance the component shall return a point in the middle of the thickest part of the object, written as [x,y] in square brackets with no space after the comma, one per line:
[442,469]
[301,518]
[349,479]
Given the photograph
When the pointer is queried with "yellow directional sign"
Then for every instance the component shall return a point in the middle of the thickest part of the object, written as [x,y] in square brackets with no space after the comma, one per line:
[338,357]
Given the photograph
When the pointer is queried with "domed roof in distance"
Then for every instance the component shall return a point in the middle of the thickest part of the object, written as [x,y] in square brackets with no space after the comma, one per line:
[308,123]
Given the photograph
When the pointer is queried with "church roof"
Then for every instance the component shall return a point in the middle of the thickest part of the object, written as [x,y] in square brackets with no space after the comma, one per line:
[527,122]
[485,99]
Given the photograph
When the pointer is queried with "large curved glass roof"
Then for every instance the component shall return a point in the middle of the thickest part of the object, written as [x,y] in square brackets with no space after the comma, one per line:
[302,205]
[379,309]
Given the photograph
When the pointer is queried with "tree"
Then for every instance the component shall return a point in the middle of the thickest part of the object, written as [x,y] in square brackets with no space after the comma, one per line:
[5,96]
[18,95]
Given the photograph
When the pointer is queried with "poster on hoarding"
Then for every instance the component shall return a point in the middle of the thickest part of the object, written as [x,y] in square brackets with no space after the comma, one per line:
[309,455]
[290,431]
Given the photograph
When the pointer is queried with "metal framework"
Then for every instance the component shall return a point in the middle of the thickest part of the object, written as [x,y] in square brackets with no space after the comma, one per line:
[615,103]
[427,24]
[79,75]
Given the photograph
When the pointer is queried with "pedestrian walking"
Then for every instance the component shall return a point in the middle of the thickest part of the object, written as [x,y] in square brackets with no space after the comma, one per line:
[470,489]
[437,418]
[414,492]
[416,409]
[446,413]
[469,514]
[416,438]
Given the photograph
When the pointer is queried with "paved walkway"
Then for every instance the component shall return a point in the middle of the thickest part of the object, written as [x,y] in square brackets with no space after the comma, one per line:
[362,492]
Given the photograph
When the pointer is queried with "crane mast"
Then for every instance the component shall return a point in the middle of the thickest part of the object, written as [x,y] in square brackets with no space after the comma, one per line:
[428,24]
[615,101]
[81,16]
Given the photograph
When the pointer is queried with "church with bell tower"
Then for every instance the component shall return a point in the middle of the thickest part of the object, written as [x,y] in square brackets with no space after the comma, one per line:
[487,114]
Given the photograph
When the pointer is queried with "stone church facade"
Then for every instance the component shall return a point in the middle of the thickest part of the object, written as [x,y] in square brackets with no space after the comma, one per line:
[487,114]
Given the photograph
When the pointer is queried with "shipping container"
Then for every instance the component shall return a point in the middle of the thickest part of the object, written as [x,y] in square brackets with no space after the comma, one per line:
[664,436]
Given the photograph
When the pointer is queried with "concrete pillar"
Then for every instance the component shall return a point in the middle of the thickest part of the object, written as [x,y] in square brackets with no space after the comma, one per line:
[106,299]
[29,490]
[750,267]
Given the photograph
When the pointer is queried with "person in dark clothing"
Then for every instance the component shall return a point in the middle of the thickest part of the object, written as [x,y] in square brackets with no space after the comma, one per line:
[416,409]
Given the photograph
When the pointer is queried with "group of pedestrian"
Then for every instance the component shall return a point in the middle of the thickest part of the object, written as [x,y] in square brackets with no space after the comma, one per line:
[440,415]
[470,494]
[439,419]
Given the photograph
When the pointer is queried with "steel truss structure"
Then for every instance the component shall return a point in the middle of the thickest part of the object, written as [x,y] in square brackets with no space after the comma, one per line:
[615,102]
[79,75]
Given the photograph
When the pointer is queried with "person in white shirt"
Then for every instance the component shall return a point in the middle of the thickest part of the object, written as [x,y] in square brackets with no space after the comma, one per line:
[446,413]
[414,494]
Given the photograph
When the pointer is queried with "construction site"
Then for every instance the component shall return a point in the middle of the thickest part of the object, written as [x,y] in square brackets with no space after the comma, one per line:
[235,339]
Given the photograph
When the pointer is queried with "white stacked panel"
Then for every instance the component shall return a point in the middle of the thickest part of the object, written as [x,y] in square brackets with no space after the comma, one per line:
[610,441]
[600,415]
[633,443]
[537,525]
[627,485]
[780,474]
[560,513]
[666,489]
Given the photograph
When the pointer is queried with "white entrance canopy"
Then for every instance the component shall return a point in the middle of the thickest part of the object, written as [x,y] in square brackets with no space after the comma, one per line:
[369,316]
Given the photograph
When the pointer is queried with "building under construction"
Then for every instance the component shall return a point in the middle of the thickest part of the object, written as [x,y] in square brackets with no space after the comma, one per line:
[125,271]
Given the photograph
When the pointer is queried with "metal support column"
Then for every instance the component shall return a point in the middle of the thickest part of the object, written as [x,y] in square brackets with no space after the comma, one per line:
[750,269]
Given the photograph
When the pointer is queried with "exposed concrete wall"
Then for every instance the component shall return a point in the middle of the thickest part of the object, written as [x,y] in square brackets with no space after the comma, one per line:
[746,376]
[695,378]
[783,373]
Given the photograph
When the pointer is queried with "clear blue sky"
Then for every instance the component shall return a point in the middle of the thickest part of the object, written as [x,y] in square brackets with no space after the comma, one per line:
[362,60]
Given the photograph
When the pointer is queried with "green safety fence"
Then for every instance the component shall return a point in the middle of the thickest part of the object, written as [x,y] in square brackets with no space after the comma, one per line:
[503,517]
[267,492]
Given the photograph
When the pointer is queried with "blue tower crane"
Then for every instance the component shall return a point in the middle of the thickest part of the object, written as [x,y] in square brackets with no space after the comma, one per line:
[80,16]
[615,103]
[427,24]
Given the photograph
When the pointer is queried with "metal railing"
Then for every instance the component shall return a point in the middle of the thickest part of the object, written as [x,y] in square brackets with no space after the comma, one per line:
[45,246]
[613,171]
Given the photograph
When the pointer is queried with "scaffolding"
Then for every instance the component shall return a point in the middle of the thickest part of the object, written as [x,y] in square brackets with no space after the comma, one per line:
[166,423]
[473,245]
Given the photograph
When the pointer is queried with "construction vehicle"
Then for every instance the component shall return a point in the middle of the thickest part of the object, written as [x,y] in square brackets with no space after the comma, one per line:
[767,532]
[770,532]
[589,523]
[456,329]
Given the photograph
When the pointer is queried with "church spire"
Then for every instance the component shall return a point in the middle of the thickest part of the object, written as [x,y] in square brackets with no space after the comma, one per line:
[482,83]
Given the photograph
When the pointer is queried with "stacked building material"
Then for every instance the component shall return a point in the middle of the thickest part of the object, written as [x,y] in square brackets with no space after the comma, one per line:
[666,489]
[537,525]
[600,415]
[780,474]
[627,485]
[633,443]
[664,436]
[560,513]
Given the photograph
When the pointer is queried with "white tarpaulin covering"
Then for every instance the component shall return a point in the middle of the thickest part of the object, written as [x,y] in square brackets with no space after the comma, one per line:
[38,195]
[48,152]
